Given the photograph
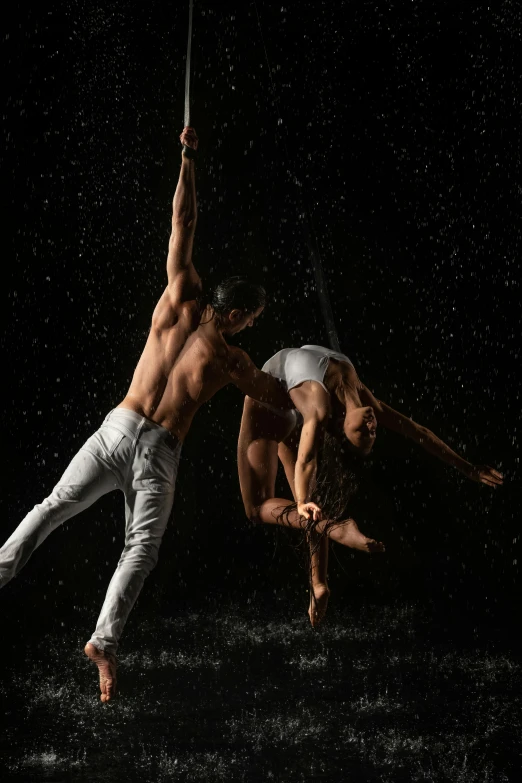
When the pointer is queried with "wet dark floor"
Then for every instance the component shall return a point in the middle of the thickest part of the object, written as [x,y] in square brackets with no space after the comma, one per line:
[251,694]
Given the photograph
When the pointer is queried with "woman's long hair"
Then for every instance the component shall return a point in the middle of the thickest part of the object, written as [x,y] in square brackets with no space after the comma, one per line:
[337,481]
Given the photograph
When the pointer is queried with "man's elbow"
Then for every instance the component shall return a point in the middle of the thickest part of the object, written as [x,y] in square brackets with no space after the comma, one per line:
[275,396]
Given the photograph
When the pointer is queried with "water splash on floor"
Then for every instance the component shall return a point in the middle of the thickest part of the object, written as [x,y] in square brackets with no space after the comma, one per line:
[234,695]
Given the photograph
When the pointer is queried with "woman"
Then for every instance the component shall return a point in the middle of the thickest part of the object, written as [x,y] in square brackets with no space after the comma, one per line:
[332,410]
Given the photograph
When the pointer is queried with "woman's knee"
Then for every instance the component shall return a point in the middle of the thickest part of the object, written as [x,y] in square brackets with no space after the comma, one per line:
[252,512]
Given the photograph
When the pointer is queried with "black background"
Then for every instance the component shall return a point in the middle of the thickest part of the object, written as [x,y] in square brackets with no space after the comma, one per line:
[401,122]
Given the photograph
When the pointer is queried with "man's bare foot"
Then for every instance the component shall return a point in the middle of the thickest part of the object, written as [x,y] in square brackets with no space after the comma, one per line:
[106,663]
[319,595]
[348,534]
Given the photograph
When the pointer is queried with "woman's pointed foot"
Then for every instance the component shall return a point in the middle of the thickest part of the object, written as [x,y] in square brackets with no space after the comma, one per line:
[348,534]
[319,595]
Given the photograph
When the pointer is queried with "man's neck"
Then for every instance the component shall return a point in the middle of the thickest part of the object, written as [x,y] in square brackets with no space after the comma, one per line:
[210,325]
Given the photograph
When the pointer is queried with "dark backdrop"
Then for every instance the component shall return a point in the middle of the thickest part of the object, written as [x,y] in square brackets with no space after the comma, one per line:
[401,122]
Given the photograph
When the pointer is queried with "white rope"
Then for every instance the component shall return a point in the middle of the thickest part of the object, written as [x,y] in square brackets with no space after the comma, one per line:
[187,73]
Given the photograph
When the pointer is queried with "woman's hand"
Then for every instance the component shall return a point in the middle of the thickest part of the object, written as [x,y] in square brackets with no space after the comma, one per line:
[308,510]
[484,474]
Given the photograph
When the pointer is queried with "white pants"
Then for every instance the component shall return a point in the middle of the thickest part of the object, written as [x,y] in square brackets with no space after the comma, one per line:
[128,452]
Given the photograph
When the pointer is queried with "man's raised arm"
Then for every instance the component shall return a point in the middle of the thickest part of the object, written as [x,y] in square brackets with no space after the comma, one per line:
[184,282]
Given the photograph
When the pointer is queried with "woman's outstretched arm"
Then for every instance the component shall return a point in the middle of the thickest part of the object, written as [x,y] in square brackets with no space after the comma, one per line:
[393,420]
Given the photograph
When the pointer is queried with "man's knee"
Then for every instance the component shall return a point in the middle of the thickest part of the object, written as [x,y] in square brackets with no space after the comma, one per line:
[143,554]
[64,501]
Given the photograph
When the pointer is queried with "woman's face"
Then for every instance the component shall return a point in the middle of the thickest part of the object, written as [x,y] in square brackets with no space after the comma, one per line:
[360,427]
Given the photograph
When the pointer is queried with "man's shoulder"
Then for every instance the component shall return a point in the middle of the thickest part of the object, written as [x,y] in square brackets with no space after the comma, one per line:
[238,360]
[168,314]
[187,307]
[235,352]
[191,310]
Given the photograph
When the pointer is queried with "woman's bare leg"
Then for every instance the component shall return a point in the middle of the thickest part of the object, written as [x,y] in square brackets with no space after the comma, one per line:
[261,431]
[346,532]
[260,436]
[319,591]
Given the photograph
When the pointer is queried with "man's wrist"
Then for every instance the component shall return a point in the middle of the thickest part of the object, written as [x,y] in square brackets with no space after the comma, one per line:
[189,152]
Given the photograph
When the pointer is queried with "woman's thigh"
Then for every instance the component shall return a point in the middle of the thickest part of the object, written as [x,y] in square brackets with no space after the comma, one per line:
[287,451]
[261,432]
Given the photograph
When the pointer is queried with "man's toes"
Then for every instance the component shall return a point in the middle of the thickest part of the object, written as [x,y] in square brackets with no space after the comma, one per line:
[110,689]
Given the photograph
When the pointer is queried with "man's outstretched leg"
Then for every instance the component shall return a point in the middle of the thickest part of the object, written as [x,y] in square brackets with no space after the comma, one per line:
[85,480]
[136,562]
[138,558]
[149,502]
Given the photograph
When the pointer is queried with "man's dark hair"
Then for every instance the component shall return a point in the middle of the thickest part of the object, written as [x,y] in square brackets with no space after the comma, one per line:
[237,293]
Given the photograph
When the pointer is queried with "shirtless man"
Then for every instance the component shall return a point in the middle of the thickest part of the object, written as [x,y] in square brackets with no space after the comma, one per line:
[185,361]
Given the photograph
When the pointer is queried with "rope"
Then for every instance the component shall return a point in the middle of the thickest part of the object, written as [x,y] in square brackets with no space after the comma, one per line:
[306,218]
[187,73]
[322,288]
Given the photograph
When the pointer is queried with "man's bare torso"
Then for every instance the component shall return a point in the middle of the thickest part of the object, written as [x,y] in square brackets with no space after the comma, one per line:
[182,366]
